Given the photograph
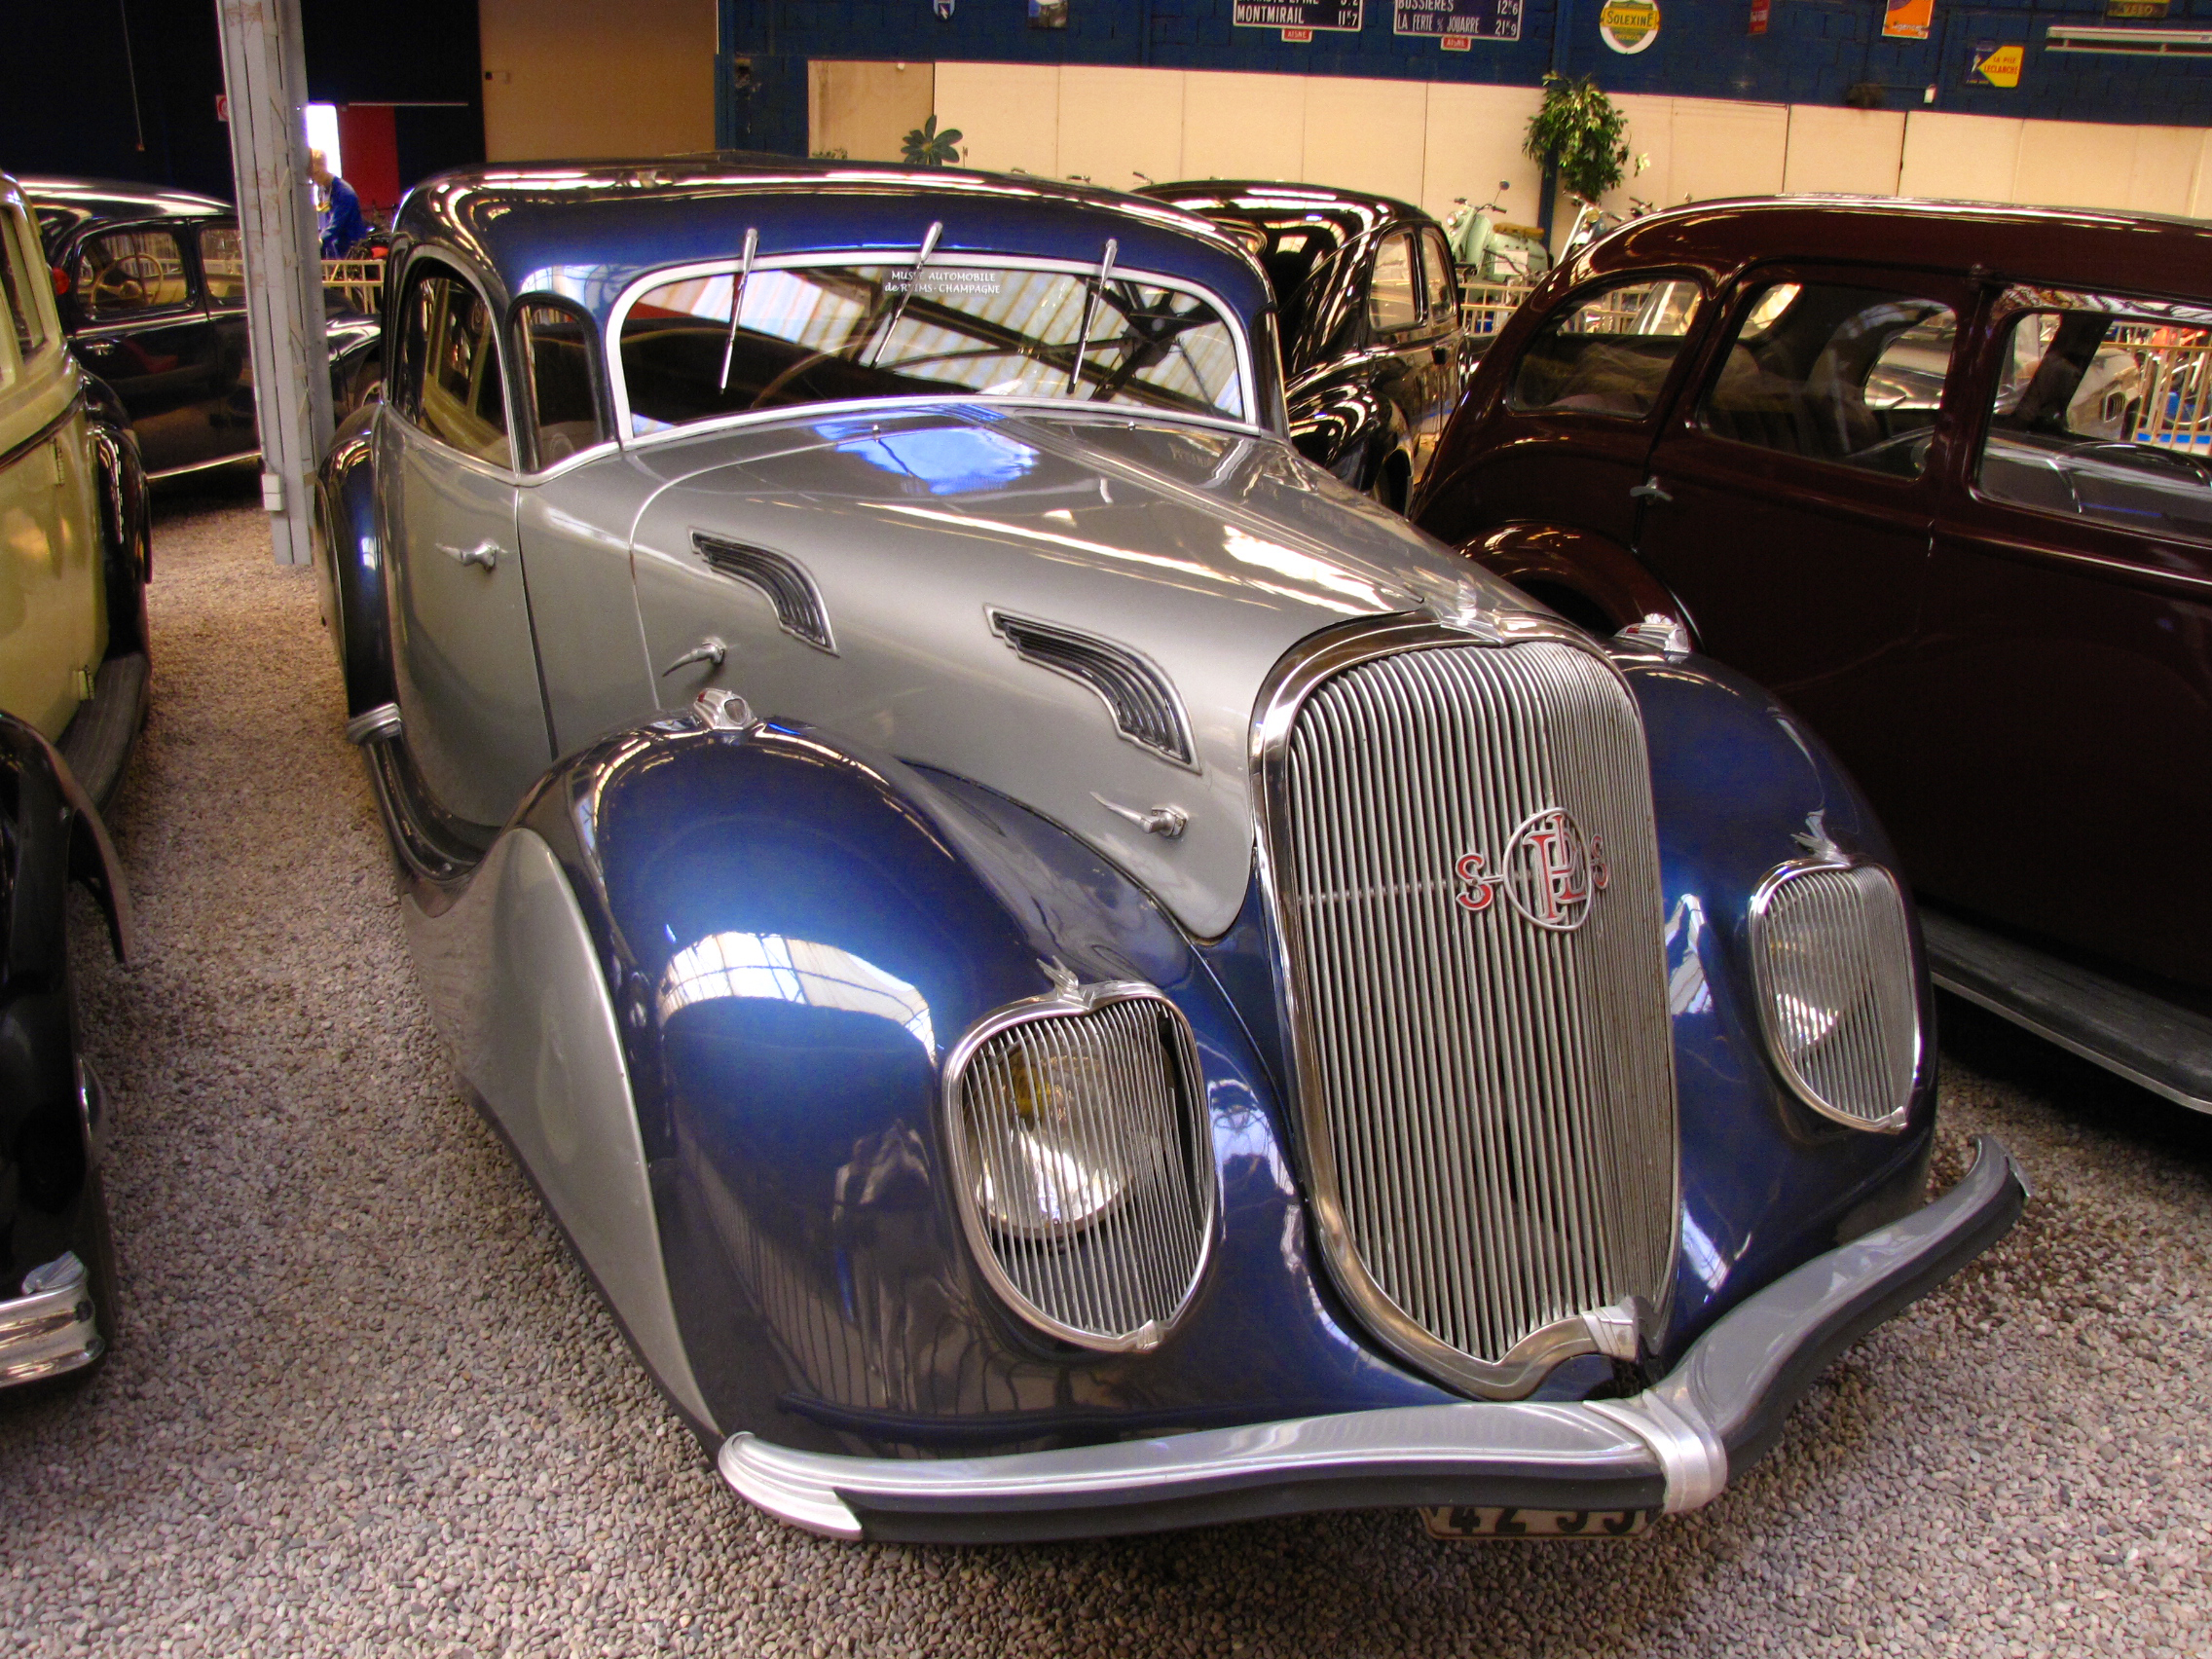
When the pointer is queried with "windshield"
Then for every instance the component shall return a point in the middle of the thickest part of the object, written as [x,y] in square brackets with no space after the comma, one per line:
[826,333]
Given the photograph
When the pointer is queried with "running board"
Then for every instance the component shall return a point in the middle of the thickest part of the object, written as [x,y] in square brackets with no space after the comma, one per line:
[102,733]
[2166,1049]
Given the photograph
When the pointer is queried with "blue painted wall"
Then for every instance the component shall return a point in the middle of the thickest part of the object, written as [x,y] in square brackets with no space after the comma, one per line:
[1813,52]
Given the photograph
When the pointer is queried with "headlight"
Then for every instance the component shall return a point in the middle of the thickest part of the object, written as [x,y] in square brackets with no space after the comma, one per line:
[1838,994]
[1083,1165]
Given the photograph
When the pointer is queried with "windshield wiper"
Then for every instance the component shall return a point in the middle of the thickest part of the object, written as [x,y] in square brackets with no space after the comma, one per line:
[913,281]
[737,300]
[1090,301]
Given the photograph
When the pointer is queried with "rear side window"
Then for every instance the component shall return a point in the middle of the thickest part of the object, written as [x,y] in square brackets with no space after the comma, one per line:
[1436,276]
[20,273]
[1845,375]
[2105,417]
[449,367]
[126,273]
[1610,353]
[222,265]
[556,344]
[1391,302]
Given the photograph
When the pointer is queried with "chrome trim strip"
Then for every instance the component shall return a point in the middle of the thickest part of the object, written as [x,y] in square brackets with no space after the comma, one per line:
[1147,710]
[52,1327]
[1070,999]
[1826,855]
[238,460]
[375,726]
[618,384]
[1299,675]
[1671,1448]
[781,580]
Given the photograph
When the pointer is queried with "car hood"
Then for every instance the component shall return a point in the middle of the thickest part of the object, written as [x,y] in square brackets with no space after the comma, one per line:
[1206,553]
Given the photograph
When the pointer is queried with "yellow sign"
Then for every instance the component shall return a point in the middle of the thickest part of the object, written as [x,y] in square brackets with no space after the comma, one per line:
[1999,65]
[1908,19]
[1628,25]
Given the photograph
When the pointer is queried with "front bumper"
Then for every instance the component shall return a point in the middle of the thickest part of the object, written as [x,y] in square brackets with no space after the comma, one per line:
[1671,1448]
[51,1328]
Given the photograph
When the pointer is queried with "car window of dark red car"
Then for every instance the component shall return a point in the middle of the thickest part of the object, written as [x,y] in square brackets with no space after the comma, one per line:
[1848,374]
[2104,416]
[1392,302]
[1609,352]
[127,273]
[1436,278]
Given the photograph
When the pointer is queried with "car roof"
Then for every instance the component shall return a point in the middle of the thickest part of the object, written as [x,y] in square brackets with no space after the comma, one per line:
[587,230]
[2077,248]
[1259,201]
[65,205]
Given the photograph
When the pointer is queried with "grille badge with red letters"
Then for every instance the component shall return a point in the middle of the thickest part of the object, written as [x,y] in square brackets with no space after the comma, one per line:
[1551,873]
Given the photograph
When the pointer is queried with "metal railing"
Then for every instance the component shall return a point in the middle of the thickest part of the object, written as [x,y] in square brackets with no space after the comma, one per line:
[357,282]
[1484,307]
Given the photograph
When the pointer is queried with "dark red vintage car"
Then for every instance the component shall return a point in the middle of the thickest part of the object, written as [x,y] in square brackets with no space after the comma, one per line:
[1942,476]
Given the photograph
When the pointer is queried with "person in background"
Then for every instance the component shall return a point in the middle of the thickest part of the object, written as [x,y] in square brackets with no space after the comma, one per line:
[341,219]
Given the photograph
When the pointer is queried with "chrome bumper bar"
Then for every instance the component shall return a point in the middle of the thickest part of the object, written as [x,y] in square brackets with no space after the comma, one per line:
[49,1328]
[1671,1448]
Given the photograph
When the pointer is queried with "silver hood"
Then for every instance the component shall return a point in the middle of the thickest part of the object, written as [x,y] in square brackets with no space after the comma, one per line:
[1206,553]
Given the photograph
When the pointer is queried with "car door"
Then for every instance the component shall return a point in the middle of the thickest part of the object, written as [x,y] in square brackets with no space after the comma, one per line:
[142,330]
[2069,632]
[49,549]
[1791,500]
[1568,440]
[1440,295]
[1398,342]
[464,660]
[232,415]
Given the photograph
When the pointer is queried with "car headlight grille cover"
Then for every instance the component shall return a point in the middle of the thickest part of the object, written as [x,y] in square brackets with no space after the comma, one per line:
[1083,1168]
[1834,963]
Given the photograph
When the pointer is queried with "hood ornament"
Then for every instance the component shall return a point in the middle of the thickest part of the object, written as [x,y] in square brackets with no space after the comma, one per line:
[1463,610]
[1815,839]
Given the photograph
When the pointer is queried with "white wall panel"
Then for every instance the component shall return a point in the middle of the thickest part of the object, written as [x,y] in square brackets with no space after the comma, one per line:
[1366,135]
[1723,148]
[1959,158]
[867,109]
[1008,114]
[2074,163]
[1859,152]
[2200,186]
[2164,178]
[1473,140]
[1238,126]
[1118,123]
[1650,134]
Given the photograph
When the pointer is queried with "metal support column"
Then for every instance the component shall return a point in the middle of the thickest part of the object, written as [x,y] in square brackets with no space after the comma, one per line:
[264,76]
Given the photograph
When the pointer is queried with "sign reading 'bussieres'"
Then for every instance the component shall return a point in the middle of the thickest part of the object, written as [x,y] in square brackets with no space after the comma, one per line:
[1336,15]
[1470,19]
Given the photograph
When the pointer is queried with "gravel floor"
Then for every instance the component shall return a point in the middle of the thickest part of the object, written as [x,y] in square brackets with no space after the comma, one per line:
[365,1404]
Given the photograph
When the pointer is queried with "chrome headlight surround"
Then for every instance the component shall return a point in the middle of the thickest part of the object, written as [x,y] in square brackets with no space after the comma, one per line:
[1887,995]
[1140,1244]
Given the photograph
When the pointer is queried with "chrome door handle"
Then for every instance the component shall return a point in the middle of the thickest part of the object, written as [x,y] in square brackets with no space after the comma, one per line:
[707,650]
[1649,490]
[484,553]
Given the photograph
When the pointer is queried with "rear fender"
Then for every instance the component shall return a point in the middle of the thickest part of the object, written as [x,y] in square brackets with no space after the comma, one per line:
[349,568]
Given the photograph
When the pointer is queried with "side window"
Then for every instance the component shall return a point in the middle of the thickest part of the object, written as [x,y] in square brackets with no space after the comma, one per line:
[126,273]
[557,354]
[1436,278]
[2103,416]
[1391,301]
[222,265]
[1608,352]
[450,368]
[1846,374]
[21,274]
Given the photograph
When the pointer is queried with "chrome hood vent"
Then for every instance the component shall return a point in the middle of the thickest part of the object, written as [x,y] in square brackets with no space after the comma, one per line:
[1460,853]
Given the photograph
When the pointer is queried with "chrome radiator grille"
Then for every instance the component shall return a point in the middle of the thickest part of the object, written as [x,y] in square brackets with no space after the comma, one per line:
[1483,1050]
[1834,960]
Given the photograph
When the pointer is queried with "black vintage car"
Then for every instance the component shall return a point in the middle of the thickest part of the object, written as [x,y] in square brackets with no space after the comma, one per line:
[1370,321]
[152,287]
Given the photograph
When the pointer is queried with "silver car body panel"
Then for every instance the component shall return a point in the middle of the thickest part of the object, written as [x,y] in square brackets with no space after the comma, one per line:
[517,992]
[1204,551]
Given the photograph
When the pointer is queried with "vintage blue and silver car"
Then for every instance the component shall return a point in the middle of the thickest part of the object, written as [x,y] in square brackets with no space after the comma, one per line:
[1063,973]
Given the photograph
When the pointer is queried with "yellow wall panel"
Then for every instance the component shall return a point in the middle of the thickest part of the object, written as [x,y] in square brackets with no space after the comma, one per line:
[1238,126]
[867,109]
[1959,158]
[2164,178]
[1651,135]
[1473,140]
[1008,114]
[1116,123]
[577,78]
[1366,135]
[1724,148]
[1855,151]
[2074,163]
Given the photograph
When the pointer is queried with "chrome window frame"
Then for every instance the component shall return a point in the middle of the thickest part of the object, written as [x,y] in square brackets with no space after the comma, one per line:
[1296,677]
[509,471]
[726,265]
[1067,1001]
[1762,900]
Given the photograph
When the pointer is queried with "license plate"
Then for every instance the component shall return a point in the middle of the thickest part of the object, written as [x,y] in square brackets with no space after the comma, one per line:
[1460,1521]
